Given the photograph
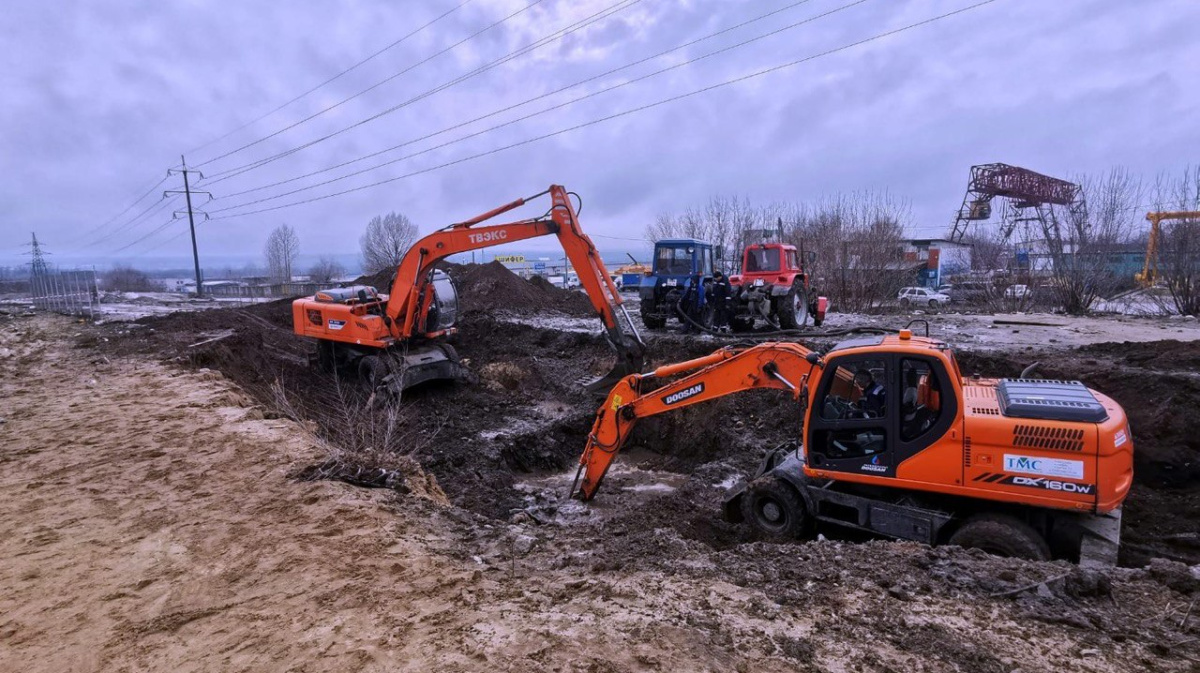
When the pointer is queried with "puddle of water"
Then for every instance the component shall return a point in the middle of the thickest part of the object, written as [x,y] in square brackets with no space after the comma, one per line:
[625,486]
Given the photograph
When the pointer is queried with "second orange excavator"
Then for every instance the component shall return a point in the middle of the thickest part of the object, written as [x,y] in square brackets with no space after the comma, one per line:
[397,340]
[895,441]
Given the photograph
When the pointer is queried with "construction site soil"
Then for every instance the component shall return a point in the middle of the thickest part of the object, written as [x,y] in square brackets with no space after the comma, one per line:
[504,451]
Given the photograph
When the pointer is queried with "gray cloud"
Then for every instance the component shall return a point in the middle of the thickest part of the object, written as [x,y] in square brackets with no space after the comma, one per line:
[100,98]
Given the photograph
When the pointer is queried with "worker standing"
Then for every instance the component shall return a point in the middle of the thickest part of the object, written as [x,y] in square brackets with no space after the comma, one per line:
[721,296]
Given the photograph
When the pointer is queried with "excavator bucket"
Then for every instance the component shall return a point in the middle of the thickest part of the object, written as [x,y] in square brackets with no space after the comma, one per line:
[630,360]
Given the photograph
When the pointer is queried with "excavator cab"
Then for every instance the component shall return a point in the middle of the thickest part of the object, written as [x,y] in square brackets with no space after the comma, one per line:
[872,411]
[443,312]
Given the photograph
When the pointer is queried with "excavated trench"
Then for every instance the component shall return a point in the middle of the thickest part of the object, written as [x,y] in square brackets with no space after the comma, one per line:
[507,446]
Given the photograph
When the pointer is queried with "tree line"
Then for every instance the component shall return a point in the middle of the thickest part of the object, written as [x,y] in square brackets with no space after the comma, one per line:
[382,246]
[858,241]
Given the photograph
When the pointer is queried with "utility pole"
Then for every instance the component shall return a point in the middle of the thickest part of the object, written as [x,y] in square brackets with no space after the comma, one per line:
[187,191]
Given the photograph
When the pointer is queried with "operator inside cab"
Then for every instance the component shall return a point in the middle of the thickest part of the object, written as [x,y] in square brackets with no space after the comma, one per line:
[874,396]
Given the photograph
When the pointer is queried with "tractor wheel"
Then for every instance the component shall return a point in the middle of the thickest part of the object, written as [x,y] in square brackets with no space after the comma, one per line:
[371,372]
[775,509]
[793,308]
[1002,535]
[651,321]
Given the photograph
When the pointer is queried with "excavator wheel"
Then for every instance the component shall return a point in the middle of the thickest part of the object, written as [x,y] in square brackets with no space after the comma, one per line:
[371,371]
[1002,535]
[774,508]
[326,358]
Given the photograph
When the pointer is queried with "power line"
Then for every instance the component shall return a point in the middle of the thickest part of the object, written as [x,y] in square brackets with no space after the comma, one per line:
[541,42]
[549,109]
[525,102]
[154,231]
[623,113]
[128,208]
[376,85]
[155,207]
[331,79]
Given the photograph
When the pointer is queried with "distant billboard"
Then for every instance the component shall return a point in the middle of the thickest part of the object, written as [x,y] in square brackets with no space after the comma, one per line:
[510,259]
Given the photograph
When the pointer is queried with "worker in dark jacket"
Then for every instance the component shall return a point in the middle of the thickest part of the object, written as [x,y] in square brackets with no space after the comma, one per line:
[874,396]
[722,296]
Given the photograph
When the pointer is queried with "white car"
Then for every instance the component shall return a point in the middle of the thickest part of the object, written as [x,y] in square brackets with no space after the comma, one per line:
[1016,292]
[922,296]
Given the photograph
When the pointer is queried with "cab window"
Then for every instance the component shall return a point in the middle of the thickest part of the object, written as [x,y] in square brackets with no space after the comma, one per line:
[857,390]
[920,399]
[706,262]
[673,261]
[762,259]
[793,260]
[853,412]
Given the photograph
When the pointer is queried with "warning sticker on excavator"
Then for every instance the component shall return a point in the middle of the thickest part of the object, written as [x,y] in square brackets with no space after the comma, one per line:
[336,324]
[616,402]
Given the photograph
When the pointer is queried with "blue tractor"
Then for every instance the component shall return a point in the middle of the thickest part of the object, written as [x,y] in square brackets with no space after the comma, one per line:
[681,271]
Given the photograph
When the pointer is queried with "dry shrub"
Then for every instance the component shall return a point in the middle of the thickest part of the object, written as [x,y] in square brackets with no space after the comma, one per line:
[366,440]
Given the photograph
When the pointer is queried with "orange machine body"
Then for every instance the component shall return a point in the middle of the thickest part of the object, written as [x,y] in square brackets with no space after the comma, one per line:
[360,320]
[975,449]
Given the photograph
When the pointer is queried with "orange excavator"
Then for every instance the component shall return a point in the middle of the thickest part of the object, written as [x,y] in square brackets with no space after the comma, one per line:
[398,340]
[894,441]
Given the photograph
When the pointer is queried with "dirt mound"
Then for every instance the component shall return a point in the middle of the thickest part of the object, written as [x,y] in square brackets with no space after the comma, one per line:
[492,287]
[1166,355]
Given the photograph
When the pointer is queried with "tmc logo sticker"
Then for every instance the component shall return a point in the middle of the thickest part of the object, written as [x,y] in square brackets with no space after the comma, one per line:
[1048,467]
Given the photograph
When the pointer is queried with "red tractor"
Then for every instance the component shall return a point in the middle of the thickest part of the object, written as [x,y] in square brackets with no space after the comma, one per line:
[773,286]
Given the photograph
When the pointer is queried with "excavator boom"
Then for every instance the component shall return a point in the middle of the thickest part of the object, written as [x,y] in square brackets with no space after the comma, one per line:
[778,365]
[409,299]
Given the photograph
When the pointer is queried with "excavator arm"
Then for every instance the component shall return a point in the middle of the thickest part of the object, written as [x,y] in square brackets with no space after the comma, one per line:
[411,294]
[780,365]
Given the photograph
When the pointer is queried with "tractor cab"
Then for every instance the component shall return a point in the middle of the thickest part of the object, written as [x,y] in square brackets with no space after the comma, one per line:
[773,287]
[771,263]
[680,268]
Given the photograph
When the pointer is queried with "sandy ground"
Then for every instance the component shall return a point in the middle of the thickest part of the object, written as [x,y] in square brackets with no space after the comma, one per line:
[147,522]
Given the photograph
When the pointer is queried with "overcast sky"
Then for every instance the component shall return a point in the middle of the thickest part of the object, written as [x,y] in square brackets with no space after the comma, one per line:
[101,98]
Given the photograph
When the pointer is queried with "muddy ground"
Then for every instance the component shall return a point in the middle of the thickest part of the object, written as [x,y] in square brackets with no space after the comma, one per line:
[650,561]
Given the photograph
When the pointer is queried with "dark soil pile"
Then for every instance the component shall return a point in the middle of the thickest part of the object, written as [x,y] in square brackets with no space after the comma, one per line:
[492,287]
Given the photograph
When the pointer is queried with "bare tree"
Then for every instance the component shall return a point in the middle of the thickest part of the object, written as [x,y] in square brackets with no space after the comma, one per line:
[1083,244]
[326,270]
[283,245]
[858,243]
[1179,241]
[856,238]
[386,240]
